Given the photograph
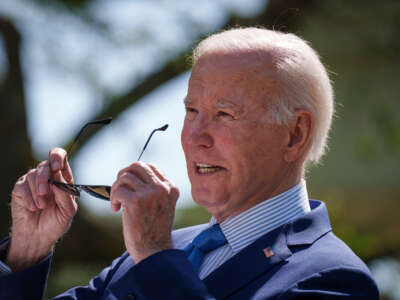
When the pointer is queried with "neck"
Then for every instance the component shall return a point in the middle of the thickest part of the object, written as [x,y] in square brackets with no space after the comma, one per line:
[287,179]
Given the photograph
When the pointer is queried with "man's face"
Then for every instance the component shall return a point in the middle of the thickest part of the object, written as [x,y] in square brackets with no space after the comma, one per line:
[234,155]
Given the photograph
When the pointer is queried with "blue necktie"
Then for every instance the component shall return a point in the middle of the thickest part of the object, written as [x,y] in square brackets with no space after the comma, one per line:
[208,240]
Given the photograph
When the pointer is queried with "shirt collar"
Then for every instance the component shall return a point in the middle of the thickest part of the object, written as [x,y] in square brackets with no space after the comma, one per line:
[246,227]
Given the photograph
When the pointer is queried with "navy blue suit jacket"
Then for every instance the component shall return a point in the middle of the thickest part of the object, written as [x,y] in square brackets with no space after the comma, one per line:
[304,260]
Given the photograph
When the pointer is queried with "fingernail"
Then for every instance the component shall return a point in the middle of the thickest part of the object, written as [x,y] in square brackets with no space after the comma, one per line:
[42,189]
[56,166]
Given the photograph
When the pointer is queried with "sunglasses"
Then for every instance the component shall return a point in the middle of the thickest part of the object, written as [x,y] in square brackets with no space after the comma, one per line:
[99,191]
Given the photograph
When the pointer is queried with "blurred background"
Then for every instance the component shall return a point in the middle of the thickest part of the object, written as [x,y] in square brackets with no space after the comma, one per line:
[66,62]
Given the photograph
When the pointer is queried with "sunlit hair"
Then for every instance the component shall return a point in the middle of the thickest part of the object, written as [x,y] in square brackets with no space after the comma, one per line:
[302,81]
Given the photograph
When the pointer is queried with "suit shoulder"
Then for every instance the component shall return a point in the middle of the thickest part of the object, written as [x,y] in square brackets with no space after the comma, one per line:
[326,268]
[335,283]
[331,252]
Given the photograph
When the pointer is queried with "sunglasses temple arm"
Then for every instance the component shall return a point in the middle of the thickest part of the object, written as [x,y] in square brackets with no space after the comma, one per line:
[147,142]
[105,121]
[77,137]
[163,128]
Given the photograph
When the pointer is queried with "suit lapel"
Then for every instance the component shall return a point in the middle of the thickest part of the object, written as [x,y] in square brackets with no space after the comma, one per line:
[249,263]
[268,252]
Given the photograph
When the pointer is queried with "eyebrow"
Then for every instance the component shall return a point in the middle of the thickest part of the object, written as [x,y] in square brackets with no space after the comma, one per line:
[224,103]
[187,100]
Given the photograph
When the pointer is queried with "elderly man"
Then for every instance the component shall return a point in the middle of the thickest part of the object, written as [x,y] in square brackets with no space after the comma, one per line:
[258,109]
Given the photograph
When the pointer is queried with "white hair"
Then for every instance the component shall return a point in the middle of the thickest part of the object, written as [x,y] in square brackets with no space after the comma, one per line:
[302,80]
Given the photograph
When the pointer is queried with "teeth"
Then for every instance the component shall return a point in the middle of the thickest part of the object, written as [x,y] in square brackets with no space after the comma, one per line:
[204,168]
[207,170]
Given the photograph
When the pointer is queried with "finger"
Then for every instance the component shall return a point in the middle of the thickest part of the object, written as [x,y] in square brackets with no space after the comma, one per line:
[57,176]
[59,162]
[67,172]
[62,173]
[142,170]
[65,201]
[57,157]
[42,177]
[22,196]
[119,196]
[129,180]
[31,179]
[115,207]
[173,190]
[156,171]
[172,197]
[114,201]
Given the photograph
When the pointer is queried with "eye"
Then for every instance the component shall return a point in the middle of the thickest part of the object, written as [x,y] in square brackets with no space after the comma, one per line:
[224,114]
[190,112]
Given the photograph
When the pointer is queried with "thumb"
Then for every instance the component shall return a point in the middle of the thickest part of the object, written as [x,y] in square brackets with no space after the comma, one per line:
[64,201]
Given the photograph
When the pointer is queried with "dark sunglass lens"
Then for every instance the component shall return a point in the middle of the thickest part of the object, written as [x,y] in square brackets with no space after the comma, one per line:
[98,191]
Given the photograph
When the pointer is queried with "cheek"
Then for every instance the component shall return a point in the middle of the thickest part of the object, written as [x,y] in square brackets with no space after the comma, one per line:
[235,147]
[238,140]
[184,137]
[254,149]
[227,143]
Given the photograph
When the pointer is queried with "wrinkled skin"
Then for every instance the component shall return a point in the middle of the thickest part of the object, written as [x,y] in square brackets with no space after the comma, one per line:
[41,213]
[148,200]
[226,125]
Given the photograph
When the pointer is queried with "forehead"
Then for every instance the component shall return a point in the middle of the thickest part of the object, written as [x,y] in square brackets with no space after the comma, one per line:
[232,75]
[230,64]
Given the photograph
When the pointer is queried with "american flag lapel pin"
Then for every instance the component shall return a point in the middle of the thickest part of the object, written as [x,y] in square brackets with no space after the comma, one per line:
[268,252]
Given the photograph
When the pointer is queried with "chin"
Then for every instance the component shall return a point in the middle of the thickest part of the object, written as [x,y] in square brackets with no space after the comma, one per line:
[207,199]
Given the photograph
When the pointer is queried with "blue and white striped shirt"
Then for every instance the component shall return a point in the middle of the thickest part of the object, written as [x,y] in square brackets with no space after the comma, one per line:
[245,228]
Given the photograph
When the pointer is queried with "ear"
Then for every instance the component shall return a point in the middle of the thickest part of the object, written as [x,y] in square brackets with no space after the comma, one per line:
[300,128]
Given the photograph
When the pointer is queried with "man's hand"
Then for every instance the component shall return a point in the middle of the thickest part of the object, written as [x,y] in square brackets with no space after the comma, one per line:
[41,213]
[148,200]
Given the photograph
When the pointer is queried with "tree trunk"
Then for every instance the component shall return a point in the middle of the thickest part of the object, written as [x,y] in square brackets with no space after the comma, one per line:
[16,152]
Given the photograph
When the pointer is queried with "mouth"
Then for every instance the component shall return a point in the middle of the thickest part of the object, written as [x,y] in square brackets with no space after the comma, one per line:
[207,169]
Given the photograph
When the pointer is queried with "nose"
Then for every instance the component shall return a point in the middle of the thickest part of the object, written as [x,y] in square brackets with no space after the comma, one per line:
[198,133]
